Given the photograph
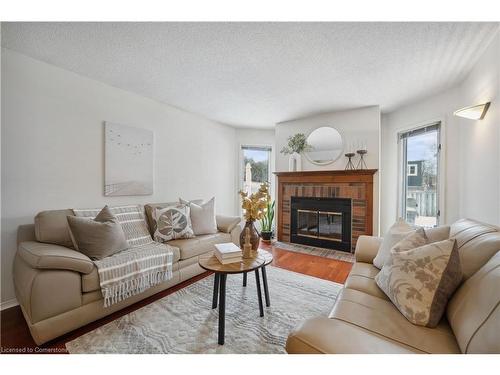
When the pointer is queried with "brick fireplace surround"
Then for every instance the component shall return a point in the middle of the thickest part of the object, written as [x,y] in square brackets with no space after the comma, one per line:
[357,185]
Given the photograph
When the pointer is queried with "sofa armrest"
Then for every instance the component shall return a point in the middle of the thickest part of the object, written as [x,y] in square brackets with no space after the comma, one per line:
[48,256]
[227,223]
[367,248]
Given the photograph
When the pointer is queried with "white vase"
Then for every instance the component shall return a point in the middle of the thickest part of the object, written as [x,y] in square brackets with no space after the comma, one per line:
[295,162]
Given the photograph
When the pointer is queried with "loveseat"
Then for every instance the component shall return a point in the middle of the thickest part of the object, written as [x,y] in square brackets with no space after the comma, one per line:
[363,319]
[58,287]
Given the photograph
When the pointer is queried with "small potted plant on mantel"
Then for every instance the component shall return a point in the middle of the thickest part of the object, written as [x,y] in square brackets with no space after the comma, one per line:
[297,144]
[266,223]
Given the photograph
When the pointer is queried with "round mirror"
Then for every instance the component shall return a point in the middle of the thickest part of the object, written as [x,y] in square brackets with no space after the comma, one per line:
[326,145]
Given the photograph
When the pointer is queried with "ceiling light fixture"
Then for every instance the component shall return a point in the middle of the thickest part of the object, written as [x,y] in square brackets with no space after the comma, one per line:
[474,112]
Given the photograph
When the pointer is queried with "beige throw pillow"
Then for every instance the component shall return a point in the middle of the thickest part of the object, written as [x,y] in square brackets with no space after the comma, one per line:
[172,222]
[396,233]
[202,216]
[99,237]
[420,281]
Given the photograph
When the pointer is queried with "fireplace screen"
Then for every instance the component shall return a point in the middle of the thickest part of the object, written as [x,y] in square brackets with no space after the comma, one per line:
[319,224]
[323,222]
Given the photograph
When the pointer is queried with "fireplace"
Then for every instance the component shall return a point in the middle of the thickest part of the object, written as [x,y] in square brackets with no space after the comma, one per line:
[322,222]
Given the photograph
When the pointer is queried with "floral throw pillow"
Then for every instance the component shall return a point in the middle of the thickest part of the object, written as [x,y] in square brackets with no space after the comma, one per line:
[420,281]
[172,222]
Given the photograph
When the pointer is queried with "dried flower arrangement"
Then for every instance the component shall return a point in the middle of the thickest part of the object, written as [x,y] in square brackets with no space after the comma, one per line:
[255,205]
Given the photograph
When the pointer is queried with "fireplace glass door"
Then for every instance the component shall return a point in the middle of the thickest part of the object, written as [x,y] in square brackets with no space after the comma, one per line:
[307,223]
[321,221]
[330,225]
[319,224]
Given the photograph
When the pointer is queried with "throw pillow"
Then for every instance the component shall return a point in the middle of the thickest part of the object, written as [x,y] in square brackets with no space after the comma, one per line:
[438,233]
[99,237]
[131,219]
[202,216]
[172,222]
[420,281]
[396,233]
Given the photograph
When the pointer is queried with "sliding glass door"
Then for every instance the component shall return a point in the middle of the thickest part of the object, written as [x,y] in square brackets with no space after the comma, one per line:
[419,162]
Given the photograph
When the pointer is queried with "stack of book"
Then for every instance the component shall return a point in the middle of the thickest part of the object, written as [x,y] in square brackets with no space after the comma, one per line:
[228,253]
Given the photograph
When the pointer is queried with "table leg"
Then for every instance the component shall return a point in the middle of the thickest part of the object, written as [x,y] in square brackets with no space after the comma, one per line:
[216,291]
[259,293]
[244,279]
[266,290]
[222,308]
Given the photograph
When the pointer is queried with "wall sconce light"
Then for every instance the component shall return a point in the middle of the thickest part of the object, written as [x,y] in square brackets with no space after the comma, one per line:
[475,112]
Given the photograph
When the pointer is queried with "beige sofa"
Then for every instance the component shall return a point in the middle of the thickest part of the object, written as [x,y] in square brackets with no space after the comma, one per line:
[364,320]
[58,287]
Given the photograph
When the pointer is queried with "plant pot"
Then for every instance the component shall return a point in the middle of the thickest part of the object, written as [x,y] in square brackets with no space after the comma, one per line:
[254,235]
[266,236]
[295,162]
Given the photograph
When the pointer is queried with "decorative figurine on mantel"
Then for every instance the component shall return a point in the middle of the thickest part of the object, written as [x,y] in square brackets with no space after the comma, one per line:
[361,162]
[350,165]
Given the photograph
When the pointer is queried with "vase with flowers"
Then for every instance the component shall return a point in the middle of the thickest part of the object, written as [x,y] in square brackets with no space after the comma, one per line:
[255,207]
[297,144]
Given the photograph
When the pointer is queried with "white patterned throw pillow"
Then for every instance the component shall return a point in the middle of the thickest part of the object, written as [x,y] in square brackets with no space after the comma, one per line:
[172,222]
[399,230]
[420,281]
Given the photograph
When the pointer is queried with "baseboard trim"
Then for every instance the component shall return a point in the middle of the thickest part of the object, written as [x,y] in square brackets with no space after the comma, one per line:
[8,304]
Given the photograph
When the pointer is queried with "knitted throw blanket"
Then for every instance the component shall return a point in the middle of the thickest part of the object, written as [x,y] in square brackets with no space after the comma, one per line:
[134,270]
[144,264]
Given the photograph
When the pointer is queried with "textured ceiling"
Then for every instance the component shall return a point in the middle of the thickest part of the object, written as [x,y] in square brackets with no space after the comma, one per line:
[258,74]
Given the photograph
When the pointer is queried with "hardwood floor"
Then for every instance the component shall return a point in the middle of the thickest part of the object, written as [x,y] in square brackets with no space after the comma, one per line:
[15,335]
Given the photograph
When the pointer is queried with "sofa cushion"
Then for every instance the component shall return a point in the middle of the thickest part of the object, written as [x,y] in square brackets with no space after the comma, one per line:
[420,281]
[99,237]
[396,233]
[172,223]
[202,216]
[362,278]
[474,310]
[380,317]
[321,335]
[130,217]
[476,242]
[52,227]
[198,245]
[150,207]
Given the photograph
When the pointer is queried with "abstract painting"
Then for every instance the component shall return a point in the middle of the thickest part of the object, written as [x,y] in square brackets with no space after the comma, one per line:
[128,160]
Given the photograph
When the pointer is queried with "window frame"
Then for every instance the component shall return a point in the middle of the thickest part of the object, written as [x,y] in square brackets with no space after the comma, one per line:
[415,173]
[441,166]
[241,168]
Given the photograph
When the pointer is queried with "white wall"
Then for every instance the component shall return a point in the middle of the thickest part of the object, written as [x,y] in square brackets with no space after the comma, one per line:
[471,148]
[354,125]
[52,148]
[480,140]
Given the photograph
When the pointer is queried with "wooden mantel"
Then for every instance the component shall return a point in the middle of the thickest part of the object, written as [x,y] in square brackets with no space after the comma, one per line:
[357,185]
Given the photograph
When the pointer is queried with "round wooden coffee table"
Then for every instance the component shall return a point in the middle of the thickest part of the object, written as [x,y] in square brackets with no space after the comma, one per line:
[210,263]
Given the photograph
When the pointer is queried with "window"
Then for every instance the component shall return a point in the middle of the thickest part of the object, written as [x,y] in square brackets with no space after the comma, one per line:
[412,169]
[255,167]
[420,153]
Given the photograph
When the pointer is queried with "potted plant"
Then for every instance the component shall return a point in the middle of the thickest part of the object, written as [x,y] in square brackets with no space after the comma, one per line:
[266,223]
[297,144]
[255,206]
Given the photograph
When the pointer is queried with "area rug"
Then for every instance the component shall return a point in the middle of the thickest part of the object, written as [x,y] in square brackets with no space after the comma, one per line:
[318,251]
[183,322]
